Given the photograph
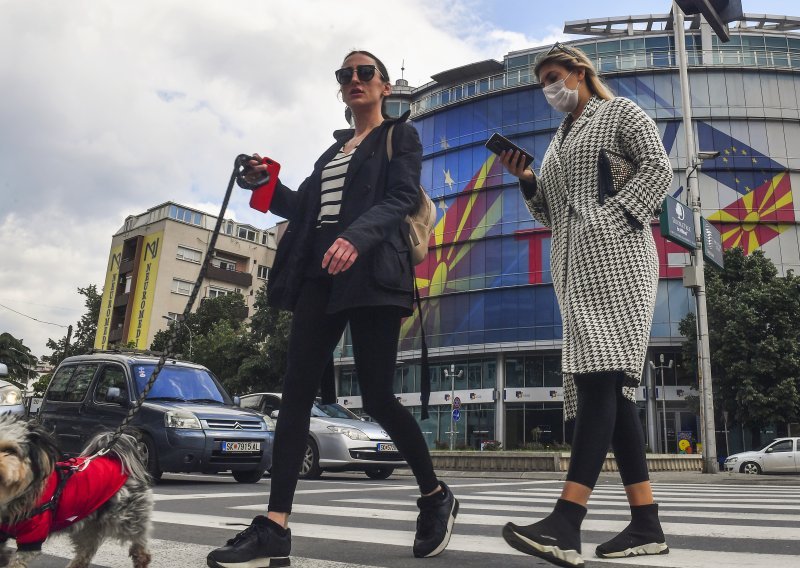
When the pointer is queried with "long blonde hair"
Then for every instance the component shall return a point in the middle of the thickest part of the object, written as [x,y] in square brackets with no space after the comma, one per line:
[572,58]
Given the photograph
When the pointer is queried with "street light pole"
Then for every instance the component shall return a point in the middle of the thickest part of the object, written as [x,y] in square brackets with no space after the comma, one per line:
[708,435]
[176,320]
[452,375]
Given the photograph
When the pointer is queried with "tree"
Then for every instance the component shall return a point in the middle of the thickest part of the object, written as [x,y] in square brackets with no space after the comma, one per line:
[86,330]
[19,359]
[754,339]
[270,328]
[222,350]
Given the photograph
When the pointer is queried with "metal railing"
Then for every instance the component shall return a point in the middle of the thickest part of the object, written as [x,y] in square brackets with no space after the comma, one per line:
[733,56]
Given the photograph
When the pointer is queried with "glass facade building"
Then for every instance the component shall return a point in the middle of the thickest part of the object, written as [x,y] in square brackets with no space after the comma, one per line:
[489,310]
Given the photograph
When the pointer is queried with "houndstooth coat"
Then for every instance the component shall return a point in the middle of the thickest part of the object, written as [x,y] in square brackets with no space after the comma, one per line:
[603,258]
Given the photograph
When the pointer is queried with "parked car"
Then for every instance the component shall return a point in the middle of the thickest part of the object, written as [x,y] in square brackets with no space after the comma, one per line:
[338,440]
[10,395]
[187,423]
[779,456]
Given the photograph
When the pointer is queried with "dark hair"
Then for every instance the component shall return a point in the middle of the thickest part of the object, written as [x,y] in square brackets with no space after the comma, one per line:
[381,69]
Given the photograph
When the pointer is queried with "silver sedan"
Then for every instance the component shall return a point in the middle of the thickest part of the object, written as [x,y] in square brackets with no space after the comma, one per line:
[338,440]
[779,456]
[10,395]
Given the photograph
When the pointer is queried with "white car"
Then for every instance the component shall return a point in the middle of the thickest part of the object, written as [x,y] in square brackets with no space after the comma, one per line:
[338,440]
[10,395]
[779,456]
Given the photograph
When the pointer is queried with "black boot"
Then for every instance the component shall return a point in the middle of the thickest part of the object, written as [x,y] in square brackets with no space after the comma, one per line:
[556,538]
[643,536]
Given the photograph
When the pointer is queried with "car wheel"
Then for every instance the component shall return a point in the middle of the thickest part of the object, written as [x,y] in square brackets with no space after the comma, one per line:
[751,468]
[249,475]
[380,473]
[150,457]
[310,469]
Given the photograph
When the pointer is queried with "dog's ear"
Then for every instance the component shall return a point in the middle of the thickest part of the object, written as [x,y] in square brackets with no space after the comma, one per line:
[43,451]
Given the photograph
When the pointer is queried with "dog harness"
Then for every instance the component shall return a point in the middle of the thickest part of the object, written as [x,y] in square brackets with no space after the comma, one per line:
[75,490]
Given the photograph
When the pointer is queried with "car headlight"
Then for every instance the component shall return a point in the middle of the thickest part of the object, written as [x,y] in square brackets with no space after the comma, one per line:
[181,419]
[352,433]
[731,460]
[270,422]
[10,396]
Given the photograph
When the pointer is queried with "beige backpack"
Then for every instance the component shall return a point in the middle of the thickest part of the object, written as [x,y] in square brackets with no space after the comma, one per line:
[421,221]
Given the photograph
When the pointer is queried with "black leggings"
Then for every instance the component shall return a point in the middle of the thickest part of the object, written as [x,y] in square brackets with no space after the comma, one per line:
[606,417]
[314,335]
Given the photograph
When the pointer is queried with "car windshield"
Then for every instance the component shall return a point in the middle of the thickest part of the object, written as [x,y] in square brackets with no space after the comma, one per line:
[183,384]
[332,411]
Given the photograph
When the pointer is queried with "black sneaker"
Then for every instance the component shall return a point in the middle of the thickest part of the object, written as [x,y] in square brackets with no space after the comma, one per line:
[261,545]
[437,513]
[642,537]
[556,538]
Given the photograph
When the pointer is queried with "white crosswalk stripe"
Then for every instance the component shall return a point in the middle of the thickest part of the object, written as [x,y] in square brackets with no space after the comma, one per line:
[706,525]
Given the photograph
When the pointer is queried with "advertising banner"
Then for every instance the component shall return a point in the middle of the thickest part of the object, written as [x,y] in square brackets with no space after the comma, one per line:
[142,298]
[109,291]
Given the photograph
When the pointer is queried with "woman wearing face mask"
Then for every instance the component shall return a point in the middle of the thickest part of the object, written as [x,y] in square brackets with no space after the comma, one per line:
[343,260]
[605,273]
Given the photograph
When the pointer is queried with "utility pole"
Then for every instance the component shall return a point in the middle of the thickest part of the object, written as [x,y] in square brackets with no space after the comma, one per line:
[696,269]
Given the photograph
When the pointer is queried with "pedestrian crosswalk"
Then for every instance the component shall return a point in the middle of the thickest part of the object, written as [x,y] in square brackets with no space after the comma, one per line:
[746,526]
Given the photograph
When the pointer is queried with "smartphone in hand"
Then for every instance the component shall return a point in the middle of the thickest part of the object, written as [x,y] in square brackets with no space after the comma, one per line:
[499,143]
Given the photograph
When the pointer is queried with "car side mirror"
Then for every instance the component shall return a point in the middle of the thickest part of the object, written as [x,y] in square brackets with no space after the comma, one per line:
[3,370]
[769,450]
[274,414]
[237,401]
[114,395]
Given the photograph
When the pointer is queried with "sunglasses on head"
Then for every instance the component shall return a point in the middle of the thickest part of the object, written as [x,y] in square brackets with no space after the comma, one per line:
[365,73]
[558,46]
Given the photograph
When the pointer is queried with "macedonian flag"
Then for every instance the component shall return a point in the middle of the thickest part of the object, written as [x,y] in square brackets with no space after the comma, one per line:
[758,217]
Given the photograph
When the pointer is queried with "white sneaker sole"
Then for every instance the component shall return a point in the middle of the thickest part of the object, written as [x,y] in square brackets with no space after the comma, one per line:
[275,562]
[554,554]
[649,549]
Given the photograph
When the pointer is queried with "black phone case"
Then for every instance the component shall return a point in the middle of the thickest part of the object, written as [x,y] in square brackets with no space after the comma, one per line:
[499,143]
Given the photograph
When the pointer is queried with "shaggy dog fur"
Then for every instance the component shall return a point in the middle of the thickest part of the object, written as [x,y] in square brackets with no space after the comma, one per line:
[27,458]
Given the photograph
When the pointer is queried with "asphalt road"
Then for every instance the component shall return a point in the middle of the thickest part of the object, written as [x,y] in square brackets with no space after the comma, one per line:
[347,520]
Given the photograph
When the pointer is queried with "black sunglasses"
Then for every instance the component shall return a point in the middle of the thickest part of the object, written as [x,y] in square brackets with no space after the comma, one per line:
[558,46]
[365,73]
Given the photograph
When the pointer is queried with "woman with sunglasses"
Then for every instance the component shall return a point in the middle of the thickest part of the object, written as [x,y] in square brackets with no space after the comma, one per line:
[343,260]
[605,273]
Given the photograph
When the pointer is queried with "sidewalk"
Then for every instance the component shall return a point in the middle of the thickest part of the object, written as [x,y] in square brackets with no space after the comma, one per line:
[691,477]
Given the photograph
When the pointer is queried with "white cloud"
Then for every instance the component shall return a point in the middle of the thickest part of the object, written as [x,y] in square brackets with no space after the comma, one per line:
[112,108]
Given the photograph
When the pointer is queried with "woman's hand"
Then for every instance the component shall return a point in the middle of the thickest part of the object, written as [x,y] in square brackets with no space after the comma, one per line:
[255,169]
[514,162]
[340,256]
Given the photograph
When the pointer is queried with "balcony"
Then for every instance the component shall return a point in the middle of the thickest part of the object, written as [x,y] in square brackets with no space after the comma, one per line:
[126,266]
[240,279]
[115,335]
[121,300]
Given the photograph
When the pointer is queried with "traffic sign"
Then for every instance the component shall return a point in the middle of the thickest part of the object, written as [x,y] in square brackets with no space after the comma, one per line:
[456,414]
[457,402]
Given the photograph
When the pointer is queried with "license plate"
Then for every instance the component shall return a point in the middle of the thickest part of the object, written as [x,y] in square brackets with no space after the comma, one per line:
[234,447]
[387,448]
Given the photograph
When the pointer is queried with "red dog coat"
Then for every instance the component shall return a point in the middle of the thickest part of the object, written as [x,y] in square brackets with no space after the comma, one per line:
[86,490]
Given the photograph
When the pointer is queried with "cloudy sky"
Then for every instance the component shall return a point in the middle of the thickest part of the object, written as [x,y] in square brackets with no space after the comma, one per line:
[110,108]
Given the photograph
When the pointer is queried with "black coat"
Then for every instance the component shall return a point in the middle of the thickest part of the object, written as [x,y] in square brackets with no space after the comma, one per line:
[376,198]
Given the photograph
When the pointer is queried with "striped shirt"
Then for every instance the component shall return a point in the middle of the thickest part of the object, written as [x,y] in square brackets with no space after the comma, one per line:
[333,175]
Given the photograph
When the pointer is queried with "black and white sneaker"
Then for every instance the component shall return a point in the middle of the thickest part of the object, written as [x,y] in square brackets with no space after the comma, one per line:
[556,538]
[264,544]
[437,513]
[642,537]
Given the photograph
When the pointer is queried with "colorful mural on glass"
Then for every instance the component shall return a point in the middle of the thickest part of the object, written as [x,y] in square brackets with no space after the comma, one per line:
[486,251]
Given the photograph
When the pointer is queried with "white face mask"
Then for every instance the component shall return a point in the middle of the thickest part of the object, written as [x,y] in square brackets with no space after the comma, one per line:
[561,97]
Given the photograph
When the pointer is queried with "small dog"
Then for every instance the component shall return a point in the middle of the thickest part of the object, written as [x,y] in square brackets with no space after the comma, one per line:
[111,495]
